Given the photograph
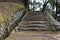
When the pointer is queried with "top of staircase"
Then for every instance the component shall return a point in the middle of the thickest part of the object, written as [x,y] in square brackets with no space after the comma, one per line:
[34,16]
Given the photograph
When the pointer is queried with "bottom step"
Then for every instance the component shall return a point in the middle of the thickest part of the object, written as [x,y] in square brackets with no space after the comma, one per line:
[31,29]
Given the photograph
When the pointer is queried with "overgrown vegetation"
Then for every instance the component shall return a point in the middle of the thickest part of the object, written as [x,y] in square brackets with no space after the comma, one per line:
[7,10]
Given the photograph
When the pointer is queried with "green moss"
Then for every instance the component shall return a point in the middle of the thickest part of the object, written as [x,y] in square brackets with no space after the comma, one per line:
[16,8]
[8,9]
[51,20]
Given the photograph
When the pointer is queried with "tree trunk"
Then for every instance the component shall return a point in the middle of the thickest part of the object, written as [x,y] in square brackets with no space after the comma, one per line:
[45,5]
[56,8]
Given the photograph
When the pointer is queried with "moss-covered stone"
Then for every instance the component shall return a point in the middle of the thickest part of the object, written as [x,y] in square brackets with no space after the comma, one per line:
[8,9]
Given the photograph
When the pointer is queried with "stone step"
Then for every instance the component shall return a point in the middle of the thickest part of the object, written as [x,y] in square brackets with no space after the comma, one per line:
[31,29]
[34,25]
[34,16]
[34,22]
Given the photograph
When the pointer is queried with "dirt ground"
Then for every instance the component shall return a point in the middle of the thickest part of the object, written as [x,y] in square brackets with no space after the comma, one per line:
[34,35]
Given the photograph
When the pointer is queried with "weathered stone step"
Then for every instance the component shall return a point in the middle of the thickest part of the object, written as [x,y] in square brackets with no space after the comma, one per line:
[34,25]
[32,28]
[34,22]
[34,16]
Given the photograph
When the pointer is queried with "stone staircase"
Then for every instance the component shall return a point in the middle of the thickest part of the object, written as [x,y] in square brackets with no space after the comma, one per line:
[27,25]
[34,26]
[33,21]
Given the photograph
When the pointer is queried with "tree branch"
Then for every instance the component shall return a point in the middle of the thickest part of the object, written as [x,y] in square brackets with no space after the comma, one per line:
[45,5]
